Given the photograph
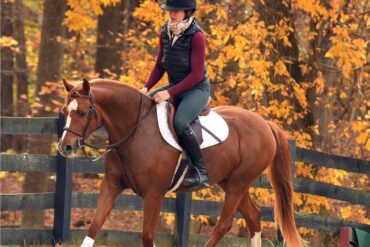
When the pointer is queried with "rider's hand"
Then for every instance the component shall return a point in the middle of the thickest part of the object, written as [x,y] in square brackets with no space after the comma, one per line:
[161,96]
[144,90]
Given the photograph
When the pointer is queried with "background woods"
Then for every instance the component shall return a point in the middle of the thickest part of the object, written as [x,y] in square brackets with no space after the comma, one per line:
[302,63]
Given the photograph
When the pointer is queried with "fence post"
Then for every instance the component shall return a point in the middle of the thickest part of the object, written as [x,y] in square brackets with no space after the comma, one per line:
[63,193]
[183,211]
[292,144]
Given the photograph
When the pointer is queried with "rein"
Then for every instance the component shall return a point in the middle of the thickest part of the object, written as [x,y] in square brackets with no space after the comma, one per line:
[81,142]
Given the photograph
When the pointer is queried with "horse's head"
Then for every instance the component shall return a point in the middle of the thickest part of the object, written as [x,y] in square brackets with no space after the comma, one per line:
[81,116]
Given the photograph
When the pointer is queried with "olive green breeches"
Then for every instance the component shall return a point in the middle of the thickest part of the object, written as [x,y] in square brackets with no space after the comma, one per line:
[189,105]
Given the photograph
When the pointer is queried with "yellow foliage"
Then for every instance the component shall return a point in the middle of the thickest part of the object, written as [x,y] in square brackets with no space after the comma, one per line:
[202,219]
[346,212]
[350,53]
[300,95]
[169,218]
[314,204]
[280,109]
[150,11]
[304,170]
[6,41]
[305,232]
[280,69]
[220,99]
[81,14]
[302,138]
[3,175]
[320,83]
[21,177]
[241,223]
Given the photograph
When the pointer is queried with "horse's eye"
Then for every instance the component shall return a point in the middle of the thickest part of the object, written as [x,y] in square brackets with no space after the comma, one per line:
[81,114]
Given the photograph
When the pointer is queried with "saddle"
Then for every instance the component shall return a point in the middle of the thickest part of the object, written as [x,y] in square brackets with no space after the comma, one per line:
[195,125]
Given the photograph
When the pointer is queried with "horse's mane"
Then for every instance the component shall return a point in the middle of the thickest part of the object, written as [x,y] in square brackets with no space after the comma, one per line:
[114,86]
[112,83]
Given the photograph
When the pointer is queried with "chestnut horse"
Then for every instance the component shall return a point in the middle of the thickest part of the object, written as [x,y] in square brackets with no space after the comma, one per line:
[144,162]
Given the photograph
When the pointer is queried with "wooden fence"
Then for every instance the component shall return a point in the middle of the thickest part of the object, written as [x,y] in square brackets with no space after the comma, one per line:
[63,200]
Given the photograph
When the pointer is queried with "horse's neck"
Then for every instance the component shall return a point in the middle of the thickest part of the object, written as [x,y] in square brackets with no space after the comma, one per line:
[120,111]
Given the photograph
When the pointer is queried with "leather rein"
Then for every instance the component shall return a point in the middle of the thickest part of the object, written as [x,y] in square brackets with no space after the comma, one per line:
[81,142]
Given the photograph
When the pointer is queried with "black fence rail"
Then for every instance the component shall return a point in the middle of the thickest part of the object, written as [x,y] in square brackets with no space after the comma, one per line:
[63,200]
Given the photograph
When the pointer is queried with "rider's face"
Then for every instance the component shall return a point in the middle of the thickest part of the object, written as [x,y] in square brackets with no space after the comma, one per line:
[177,15]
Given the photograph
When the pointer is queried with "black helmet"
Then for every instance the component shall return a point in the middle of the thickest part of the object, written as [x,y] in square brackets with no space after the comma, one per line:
[179,5]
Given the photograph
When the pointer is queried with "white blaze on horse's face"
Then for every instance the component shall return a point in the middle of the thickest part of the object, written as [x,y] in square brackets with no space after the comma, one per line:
[72,106]
[68,149]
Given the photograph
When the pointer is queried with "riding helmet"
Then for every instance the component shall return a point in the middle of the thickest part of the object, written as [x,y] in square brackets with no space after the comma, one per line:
[179,5]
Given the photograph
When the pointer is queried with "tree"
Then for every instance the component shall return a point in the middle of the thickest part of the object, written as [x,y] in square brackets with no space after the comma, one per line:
[20,60]
[7,66]
[21,71]
[48,70]
[113,26]
[51,47]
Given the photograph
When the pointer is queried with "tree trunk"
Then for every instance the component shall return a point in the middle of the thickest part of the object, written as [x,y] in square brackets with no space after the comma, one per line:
[320,113]
[20,60]
[7,69]
[48,70]
[51,47]
[7,66]
[113,25]
[21,72]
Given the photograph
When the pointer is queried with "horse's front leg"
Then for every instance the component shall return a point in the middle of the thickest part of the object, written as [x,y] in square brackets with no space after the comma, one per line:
[152,208]
[109,190]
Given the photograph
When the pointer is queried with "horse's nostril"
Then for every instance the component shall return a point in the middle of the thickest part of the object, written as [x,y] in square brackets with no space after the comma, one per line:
[67,148]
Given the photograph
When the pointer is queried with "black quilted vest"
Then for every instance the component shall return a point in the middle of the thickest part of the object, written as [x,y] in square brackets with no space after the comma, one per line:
[176,59]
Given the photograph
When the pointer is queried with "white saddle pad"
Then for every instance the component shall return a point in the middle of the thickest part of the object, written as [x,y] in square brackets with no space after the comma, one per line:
[213,122]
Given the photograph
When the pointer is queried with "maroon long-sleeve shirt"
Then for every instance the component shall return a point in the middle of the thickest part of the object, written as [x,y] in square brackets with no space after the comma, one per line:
[198,50]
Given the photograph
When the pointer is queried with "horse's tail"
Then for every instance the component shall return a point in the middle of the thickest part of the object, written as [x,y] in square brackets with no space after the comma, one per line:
[282,183]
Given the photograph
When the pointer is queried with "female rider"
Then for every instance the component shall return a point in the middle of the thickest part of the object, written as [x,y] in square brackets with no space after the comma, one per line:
[182,56]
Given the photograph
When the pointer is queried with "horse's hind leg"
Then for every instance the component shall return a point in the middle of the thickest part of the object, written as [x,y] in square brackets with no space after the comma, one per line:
[109,190]
[252,215]
[232,200]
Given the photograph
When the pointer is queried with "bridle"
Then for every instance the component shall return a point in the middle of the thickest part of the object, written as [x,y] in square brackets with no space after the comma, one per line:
[81,142]
[92,112]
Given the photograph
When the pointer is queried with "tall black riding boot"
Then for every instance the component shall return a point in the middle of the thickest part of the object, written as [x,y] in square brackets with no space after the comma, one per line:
[197,174]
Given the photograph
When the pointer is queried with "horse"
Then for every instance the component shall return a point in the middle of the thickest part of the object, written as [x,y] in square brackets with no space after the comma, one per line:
[144,162]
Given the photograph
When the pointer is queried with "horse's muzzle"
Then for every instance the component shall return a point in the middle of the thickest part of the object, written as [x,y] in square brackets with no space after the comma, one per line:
[67,150]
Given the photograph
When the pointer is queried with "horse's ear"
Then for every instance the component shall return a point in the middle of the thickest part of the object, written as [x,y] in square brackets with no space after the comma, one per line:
[68,86]
[86,86]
